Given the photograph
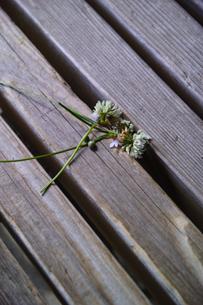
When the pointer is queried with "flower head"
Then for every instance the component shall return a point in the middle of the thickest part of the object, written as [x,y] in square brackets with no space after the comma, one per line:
[121,125]
[110,111]
[122,131]
[136,146]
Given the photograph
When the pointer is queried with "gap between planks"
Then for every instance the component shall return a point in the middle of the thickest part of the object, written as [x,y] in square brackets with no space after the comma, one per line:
[15,288]
[79,268]
[133,213]
[166,37]
[94,72]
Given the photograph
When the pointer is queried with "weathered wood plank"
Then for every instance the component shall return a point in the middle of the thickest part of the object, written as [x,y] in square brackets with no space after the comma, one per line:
[194,7]
[151,234]
[15,286]
[166,37]
[103,65]
[75,262]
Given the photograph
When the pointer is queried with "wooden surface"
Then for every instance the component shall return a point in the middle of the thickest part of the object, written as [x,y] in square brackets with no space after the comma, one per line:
[102,65]
[156,240]
[166,37]
[16,288]
[74,261]
[194,7]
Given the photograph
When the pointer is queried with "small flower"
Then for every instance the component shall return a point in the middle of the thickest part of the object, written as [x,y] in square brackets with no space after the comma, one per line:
[95,117]
[133,143]
[111,112]
[136,146]
[115,143]
[125,137]
[141,136]
[122,125]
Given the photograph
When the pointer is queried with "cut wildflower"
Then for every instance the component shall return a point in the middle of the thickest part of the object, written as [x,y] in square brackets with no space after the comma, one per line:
[110,111]
[107,114]
[125,137]
[115,143]
[95,117]
[121,125]
[73,155]
[137,146]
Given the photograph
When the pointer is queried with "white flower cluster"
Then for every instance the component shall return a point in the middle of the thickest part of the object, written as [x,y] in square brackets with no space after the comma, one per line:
[138,145]
[121,125]
[111,111]
[122,130]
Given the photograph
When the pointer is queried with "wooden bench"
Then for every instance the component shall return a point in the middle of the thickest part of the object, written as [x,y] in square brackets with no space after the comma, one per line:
[150,212]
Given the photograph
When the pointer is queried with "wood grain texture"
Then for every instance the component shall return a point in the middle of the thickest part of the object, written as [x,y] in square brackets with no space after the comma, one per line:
[151,234]
[15,287]
[194,7]
[166,37]
[99,64]
[74,261]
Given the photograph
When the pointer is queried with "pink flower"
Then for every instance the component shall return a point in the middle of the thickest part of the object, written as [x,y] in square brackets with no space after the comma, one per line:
[115,143]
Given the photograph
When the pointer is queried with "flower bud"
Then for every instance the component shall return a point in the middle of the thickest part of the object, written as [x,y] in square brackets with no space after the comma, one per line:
[91,144]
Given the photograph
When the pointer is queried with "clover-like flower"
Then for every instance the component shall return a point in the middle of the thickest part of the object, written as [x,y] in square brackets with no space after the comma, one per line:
[138,146]
[133,143]
[110,111]
[122,125]
[105,112]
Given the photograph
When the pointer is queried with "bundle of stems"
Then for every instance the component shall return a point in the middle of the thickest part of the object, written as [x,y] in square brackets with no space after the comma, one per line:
[104,114]
[91,123]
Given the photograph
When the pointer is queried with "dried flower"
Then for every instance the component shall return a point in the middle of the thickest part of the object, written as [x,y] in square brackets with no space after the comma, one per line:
[121,125]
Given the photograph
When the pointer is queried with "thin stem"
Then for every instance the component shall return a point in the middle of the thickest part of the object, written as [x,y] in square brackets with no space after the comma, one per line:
[28,91]
[73,155]
[81,117]
[56,152]
[41,156]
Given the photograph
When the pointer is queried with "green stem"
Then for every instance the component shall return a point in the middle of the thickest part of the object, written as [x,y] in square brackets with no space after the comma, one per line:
[55,153]
[41,156]
[81,117]
[73,155]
